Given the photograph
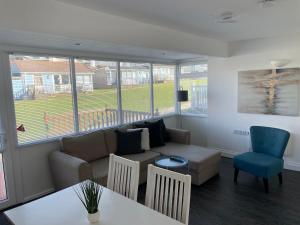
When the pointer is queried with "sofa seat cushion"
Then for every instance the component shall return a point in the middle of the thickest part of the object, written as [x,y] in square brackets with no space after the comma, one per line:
[258,164]
[198,157]
[88,147]
[145,158]
[100,170]
[100,167]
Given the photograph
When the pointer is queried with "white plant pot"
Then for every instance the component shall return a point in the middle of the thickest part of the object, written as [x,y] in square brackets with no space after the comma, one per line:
[94,218]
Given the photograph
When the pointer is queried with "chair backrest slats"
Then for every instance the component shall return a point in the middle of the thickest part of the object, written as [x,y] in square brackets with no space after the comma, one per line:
[169,192]
[170,198]
[123,176]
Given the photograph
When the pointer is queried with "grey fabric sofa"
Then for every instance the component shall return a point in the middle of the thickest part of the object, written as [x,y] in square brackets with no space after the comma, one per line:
[85,156]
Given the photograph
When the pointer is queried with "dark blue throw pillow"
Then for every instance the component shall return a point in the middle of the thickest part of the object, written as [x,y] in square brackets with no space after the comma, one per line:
[129,142]
[164,132]
[155,133]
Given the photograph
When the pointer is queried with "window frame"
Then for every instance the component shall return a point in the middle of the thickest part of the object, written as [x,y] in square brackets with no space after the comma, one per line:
[71,58]
[178,77]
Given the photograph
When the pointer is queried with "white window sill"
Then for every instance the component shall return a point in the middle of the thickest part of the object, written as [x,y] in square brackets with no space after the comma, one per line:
[193,115]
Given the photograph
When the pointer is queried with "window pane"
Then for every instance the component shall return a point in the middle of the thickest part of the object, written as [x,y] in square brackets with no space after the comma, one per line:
[96,93]
[194,79]
[42,97]
[135,89]
[163,88]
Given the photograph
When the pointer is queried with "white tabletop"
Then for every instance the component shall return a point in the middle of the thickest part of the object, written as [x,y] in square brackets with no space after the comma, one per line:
[64,208]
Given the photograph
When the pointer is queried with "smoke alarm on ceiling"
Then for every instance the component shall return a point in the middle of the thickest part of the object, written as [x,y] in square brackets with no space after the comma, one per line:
[227,17]
[267,3]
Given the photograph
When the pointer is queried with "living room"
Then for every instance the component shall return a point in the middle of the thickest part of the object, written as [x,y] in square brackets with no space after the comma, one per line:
[230,38]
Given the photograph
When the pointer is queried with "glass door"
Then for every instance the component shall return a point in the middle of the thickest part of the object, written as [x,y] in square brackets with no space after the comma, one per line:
[7,187]
[3,193]
[7,194]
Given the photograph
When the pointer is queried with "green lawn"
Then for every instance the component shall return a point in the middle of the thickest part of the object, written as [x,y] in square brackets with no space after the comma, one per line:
[137,98]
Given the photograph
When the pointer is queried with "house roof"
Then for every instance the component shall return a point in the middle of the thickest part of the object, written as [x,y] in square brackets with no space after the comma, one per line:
[46,66]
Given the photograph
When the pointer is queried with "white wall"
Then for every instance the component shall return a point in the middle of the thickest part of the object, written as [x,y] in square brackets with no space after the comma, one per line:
[56,18]
[35,171]
[198,128]
[223,117]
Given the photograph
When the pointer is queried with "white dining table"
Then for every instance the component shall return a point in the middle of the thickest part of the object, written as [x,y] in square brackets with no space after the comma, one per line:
[64,208]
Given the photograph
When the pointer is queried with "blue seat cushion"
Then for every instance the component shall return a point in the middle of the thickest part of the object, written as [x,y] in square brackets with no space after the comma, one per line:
[259,164]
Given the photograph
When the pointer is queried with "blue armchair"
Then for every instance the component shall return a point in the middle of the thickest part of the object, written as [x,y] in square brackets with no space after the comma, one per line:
[265,161]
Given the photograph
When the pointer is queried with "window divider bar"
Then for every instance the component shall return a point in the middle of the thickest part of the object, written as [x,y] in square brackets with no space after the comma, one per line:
[119,93]
[74,94]
[151,91]
[177,87]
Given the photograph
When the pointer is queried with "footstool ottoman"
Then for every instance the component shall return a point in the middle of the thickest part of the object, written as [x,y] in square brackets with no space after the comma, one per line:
[203,162]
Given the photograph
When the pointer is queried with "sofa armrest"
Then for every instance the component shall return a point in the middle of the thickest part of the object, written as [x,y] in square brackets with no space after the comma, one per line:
[68,170]
[179,136]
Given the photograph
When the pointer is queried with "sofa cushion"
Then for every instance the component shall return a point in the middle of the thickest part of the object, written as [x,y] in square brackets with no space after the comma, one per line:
[198,157]
[155,133]
[100,170]
[129,142]
[111,140]
[145,141]
[165,134]
[111,137]
[88,147]
[100,167]
[145,158]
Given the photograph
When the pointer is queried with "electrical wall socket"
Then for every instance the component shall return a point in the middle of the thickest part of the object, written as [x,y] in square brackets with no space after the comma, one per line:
[241,132]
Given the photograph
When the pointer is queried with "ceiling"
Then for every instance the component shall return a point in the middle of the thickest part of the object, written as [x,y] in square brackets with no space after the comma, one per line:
[199,16]
[109,50]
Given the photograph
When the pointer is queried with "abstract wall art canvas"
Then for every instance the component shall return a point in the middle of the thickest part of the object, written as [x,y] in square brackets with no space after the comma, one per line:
[271,91]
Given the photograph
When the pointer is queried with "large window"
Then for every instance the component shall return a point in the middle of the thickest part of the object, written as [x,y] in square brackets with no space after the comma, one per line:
[52,100]
[135,90]
[42,97]
[96,94]
[163,89]
[193,77]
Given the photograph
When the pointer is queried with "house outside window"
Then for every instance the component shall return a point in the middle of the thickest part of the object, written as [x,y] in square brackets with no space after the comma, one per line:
[40,99]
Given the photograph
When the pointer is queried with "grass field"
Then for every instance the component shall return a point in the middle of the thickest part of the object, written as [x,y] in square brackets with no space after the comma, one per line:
[137,98]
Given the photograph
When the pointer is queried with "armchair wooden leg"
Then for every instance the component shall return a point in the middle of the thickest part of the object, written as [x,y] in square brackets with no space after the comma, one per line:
[280,178]
[236,173]
[266,185]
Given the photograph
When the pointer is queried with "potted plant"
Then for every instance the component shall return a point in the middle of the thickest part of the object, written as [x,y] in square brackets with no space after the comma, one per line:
[89,194]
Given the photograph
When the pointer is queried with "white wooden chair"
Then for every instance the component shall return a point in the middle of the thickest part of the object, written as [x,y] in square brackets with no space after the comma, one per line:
[123,176]
[169,193]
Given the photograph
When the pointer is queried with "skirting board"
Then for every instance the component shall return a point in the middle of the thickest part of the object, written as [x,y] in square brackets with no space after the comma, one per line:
[288,164]
[38,195]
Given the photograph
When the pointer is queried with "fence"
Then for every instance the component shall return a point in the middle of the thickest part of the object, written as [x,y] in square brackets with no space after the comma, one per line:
[199,98]
[89,120]
[131,116]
